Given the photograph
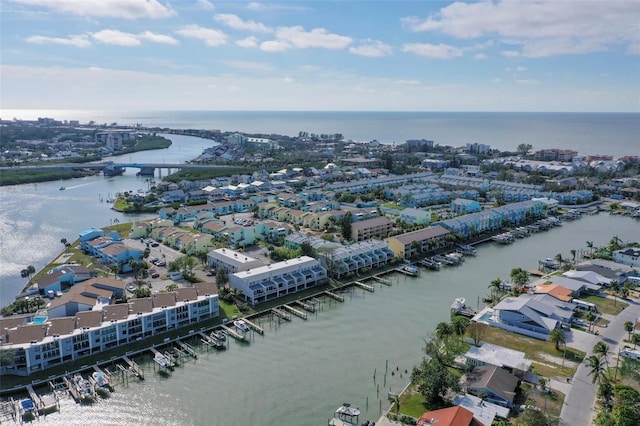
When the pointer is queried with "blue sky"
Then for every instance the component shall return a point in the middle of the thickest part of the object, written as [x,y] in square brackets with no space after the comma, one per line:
[547,55]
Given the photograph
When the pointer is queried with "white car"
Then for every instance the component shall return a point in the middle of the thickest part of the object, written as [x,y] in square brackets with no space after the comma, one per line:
[131,288]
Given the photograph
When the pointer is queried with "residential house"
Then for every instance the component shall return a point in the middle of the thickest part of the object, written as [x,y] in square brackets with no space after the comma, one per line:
[493,384]
[555,290]
[356,258]
[452,416]
[483,411]
[86,296]
[416,216]
[629,256]
[464,206]
[529,316]
[269,230]
[120,255]
[489,354]
[63,277]
[174,196]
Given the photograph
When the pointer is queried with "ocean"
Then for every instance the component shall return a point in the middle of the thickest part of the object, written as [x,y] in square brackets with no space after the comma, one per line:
[616,134]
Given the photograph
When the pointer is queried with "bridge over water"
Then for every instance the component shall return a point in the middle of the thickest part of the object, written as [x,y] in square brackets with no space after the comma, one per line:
[111,168]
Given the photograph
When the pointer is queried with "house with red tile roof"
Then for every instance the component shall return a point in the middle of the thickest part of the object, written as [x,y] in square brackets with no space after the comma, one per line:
[452,416]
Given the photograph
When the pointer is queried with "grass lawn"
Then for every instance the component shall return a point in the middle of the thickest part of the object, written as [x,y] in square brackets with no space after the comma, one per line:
[549,403]
[411,404]
[547,360]
[607,306]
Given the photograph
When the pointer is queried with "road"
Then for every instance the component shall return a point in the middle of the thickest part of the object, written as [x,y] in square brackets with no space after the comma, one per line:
[579,404]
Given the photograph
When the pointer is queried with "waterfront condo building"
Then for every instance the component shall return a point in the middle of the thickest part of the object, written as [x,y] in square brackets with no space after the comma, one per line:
[39,342]
[279,279]
[231,260]
[375,227]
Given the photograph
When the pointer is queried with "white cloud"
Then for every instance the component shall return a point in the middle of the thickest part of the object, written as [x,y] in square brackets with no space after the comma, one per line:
[206,5]
[76,40]
[269,7]
[127,9]
[157,38]
[408,82]
[372,49]
[235,22]
[496,80]
[296,37]
[288,79]
[436,51]
[510,53]
[521,68]
[542,28]
[249,65]
[120,38]
[116,37]
[210,36]
[479,56]
[250,41]
[527,81]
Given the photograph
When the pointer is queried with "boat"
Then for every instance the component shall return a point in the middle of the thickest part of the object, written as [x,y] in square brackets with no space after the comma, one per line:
[456,257]
[100,379]
[62,188]
[467,249]
[161,360]
[550,263]
[443,259]
[218,335]
[458,307]
[430,264]
[346,413]
[242,326]
[409,270]
[84,386]
[27,406]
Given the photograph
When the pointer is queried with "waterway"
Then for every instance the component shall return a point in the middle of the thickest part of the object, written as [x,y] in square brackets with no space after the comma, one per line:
[35,217]
[298,373]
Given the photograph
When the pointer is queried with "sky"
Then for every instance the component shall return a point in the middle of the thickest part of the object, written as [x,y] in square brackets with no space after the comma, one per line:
[499,55]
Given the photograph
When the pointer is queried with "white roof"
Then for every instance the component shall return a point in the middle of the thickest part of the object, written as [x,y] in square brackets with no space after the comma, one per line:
[499,356]
[232,257]
[589,276]
[483,411]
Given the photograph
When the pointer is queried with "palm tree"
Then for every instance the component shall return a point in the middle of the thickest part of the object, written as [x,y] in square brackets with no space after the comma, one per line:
[573,255]
[597,369]
[624,292]
[495,287]
[601,349]
[557,337]
[635,339]
[615,287]
[444,329]
[590,317]
[459,325]
[590,247]
[520,277]
[559,259]
[628,327]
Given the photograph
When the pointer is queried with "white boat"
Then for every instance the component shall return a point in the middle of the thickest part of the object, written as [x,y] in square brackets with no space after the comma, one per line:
[162,361]
[100,379]
[410,270]
[219,335]
[84,386]
[347,412]
[550,263]
[242,326]
[62,188]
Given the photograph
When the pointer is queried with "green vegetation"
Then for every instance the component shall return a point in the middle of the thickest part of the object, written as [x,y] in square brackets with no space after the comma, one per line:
[20,176]
[607,306]
[206,174]
[145,143]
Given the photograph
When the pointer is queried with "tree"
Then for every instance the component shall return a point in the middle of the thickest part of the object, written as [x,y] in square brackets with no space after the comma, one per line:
[524,149]
[597,369]
[615,288]
[115,269]
[65,243]
[460,324]
[520,277]
[307,249]
[495,287]
[635,339]
[171,287]
[345,225]
[628,327]
[184,265]
[623,292]
[222,277]
[601,349]
[590,247]
[557,336]
[142,292]
[477,331]
[433,381]
[590,317]
[573,255]
[444,330]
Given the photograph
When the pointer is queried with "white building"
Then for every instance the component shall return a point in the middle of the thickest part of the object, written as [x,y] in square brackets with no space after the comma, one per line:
[629,256]
[47,342]
[231,260]
[279,279]
[489,354]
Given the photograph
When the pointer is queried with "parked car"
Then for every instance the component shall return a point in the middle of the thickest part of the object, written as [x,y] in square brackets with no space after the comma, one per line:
[161,263]
[155,275]
[155,244]
[131,288]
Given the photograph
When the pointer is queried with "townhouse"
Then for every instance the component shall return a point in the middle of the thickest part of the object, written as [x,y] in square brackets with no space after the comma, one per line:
[412,243]
[366,229]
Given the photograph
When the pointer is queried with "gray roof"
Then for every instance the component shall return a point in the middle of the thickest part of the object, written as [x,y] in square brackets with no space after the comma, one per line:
[369,223]
[422,234]
[496,379]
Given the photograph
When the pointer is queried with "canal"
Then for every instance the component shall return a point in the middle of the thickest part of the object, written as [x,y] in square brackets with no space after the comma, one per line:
[298,373]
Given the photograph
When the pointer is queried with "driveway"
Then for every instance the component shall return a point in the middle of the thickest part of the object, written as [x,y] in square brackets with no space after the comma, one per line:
[579,405]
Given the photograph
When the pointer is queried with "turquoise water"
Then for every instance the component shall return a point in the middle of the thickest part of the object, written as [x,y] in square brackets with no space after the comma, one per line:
[39,320]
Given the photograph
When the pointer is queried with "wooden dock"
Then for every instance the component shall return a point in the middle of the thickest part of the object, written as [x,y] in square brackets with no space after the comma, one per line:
[188,349]
[233,333]
[107,376]
[37,402]
[296,312]
[335,296]
[73,390]
[306,306]
[382,280]
[134,368]
[364,286]
[253,326]
[172,359]
[282,314]
[157,353]
[8,410]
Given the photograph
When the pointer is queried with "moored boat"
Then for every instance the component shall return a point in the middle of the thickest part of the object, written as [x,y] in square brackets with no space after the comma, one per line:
[242,326]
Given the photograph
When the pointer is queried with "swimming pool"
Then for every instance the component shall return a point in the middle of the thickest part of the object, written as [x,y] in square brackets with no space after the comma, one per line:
[39,320]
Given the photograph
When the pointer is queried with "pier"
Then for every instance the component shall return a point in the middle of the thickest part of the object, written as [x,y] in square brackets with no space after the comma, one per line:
[106,375]
[281,314]
[134,368]
[335,296]
[295,312]
[187,348]
[37,402]
[382,280]
[8,410]
[73,390]
[161,359]
[233,333]
[306,306]
[362,285]
[253,326]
